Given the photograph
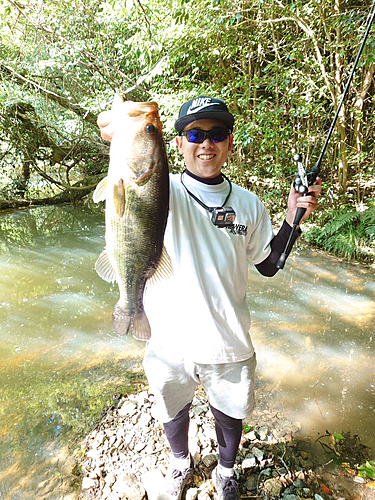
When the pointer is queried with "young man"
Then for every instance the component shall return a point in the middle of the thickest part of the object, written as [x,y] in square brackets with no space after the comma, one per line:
[199,318]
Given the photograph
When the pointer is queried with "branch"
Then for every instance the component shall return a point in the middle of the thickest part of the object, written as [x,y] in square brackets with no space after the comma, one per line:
[310,33]
[75,192]
[52,96]
[88,55]
[366,86]
[146,19]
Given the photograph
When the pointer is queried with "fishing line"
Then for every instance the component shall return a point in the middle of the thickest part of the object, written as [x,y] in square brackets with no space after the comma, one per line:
[303,179]
[331,107]
[369,24]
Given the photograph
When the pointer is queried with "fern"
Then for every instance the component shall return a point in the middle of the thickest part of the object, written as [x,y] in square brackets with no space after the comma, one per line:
[346,233]
[339,222]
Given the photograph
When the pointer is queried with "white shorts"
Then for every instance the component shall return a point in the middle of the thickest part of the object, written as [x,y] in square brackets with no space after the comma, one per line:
[229,386]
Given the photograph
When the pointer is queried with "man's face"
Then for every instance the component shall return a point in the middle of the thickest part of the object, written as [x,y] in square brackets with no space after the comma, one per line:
[206,159]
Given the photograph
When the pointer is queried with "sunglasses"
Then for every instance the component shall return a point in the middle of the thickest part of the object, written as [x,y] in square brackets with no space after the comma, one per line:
[197,136]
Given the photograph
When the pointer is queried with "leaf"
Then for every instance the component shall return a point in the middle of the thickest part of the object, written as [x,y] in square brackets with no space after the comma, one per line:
[367,470]
[325,489]
[338,437]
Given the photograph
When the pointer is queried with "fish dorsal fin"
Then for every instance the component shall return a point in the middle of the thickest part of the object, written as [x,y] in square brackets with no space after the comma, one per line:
[104,268]
[100,193]
[164,270]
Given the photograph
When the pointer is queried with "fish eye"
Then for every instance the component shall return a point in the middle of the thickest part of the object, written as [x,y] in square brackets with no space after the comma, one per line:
[150,128]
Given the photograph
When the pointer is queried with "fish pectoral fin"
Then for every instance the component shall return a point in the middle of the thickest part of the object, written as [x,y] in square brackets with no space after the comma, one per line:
[104,268]
[119,197]
[100,192]
[164,269]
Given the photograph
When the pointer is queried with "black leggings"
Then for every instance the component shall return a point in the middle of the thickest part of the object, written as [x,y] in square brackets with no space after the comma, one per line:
[228,432]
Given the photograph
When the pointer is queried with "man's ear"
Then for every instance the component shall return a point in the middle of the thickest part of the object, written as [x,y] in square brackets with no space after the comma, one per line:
[179,144]
[230,146]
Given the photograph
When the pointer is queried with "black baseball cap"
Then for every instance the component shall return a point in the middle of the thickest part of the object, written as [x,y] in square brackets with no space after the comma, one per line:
[203,107]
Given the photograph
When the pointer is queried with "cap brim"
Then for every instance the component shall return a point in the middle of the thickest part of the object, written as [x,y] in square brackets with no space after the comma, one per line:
[222,116]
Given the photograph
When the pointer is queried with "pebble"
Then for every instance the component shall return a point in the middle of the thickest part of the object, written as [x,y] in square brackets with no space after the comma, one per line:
[126,456]
[273,487]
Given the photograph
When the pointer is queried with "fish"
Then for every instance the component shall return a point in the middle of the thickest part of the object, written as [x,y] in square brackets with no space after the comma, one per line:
[136,194]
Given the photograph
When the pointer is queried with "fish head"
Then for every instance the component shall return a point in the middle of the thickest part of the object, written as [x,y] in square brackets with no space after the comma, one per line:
[137,142]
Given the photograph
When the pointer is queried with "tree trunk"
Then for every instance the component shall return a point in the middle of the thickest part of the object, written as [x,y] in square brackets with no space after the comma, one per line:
[77,193]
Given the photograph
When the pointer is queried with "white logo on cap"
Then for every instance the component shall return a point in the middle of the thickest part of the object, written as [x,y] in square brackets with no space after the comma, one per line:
[200,103]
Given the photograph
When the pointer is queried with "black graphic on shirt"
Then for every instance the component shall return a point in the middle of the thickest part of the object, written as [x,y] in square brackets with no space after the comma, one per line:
[240,229]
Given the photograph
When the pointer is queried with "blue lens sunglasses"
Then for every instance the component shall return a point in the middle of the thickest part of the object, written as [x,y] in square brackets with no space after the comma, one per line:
[197,136]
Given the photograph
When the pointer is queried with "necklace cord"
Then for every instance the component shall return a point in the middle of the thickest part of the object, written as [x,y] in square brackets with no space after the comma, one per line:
[210,209]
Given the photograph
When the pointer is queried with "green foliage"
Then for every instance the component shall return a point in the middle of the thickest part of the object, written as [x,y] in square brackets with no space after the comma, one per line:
[367,471]
[276,67]
[338,437]
[347,233]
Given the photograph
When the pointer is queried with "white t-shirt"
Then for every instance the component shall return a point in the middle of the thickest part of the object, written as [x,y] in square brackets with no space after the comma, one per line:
[201,311]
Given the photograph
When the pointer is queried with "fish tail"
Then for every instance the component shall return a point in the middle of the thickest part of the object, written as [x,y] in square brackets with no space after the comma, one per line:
[141,327]
[121,321]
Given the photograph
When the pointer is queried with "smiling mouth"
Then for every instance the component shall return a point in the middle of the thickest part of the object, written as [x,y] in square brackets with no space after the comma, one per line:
[206,157]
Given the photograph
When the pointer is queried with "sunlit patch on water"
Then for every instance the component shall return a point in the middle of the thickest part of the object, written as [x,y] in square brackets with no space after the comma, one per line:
[61,364]
[313,327]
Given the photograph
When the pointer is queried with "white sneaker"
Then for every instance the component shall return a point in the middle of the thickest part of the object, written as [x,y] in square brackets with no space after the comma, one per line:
[226,487]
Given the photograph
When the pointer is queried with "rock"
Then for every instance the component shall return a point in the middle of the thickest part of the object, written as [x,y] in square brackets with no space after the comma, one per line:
[130,487]
[127,456]
[203,496]
[199,409]
[113,496]
[128,408]
[153,481]
[191,494]
[273,488]
[252,483]
[209,460]
[248,463]
[88,482]
[298,483]
[250,436]
[257,453]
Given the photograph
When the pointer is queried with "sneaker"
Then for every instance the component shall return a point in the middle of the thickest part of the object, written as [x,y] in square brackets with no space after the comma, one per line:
[177,481]
[226,487]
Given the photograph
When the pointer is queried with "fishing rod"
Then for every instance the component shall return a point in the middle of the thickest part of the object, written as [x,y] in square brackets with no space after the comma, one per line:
[305,179]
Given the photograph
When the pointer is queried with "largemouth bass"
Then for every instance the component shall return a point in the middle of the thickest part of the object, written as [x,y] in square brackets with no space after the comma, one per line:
[136,191]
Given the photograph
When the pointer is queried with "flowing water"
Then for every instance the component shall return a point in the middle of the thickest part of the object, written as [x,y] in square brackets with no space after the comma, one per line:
[313,329]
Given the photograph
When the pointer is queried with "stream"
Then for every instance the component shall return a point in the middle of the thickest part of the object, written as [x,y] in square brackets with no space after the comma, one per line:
[313,328]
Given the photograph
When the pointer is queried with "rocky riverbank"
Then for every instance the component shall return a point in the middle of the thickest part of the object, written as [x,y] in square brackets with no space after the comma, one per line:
[127,456]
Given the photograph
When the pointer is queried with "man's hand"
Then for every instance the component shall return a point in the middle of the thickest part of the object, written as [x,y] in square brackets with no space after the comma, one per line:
[105,122]
[310,202]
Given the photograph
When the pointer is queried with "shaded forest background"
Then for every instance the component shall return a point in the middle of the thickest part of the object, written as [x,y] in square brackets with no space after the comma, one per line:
[281,66]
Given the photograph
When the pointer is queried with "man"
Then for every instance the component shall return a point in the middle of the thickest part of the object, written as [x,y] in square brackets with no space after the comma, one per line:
[199,318]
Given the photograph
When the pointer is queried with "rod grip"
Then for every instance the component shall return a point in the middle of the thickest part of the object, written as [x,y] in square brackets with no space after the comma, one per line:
[297,219]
